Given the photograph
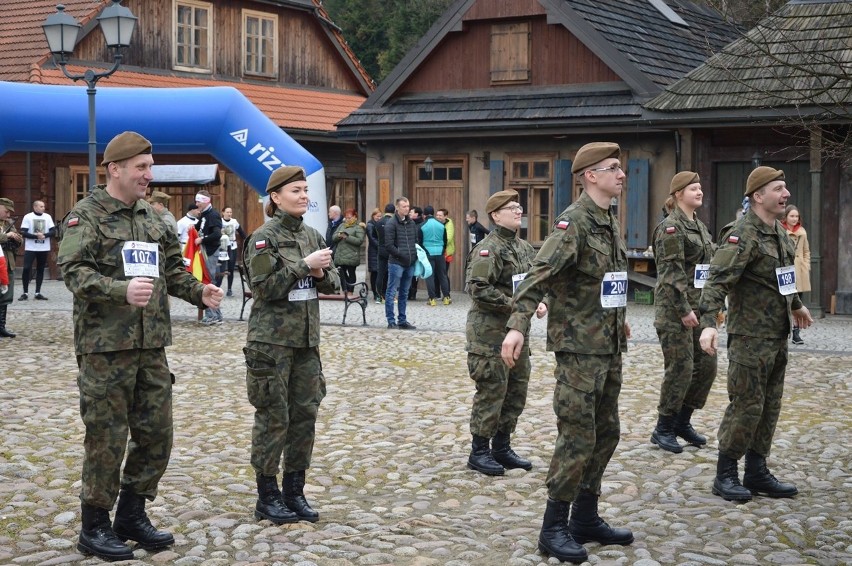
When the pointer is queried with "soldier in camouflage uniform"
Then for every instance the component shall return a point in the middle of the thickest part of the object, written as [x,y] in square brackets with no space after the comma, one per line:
[582,266]
[288,263]
[754,267]
[121,261]
[494,268]
[682,250]
[10,240]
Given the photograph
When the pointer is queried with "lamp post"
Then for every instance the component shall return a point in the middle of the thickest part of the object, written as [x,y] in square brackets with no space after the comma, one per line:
[61,31]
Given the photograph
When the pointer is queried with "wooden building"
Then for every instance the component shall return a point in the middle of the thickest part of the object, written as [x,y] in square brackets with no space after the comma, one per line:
[782,96]
[283,55]
[501,94]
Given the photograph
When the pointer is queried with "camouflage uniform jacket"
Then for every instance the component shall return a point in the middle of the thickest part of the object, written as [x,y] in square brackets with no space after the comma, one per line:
[744,270]
[91,260]
[679,244]
[7,244]
[275,259]
[490,267]
[570,268]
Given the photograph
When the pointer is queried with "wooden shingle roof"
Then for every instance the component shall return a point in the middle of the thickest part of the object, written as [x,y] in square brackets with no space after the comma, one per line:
[800,57]
[632,37]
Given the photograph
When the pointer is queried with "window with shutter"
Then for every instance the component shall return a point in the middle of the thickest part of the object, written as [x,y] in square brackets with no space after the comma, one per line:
[510,53]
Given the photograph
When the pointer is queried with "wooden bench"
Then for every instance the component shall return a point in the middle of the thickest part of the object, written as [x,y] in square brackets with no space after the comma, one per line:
[357,296]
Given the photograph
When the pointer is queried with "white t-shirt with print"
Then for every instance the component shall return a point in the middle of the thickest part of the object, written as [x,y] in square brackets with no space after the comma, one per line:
[33,223]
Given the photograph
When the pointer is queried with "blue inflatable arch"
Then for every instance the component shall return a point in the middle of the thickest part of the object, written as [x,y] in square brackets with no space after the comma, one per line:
[219,121]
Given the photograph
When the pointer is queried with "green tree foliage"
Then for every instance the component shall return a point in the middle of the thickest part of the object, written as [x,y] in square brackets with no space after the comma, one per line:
[381,32]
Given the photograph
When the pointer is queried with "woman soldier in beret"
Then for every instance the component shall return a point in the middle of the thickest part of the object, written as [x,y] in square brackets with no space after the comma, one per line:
[682,249]
[288,264]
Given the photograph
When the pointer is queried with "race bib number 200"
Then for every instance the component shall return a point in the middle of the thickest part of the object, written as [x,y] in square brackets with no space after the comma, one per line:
[141,259]
[614,290]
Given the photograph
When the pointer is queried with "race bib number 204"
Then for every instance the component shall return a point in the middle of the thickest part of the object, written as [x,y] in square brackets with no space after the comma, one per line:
[614,290]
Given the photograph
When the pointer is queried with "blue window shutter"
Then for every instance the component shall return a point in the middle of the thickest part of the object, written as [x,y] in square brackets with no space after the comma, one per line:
[496,177]
[637,203]
[563,187]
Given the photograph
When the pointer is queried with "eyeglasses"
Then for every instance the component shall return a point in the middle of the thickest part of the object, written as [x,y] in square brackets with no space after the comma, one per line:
[515,209]
[615,168]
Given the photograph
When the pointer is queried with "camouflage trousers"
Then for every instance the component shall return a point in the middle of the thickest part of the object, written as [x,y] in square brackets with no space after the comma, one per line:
[285,386]
[501,393]
[586,405]
[689,371]
[121,392]
[756,368]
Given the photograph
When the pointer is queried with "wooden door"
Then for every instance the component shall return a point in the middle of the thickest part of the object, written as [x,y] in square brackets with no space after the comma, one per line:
[443,187]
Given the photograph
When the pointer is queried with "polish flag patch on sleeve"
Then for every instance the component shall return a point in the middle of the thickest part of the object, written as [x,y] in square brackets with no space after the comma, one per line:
[483,253]
[562,224]
[260,244]
[733,239]
[670,230]
[73,222]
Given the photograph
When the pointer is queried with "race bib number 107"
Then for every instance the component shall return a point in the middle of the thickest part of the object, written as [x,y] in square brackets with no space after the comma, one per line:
[141,259]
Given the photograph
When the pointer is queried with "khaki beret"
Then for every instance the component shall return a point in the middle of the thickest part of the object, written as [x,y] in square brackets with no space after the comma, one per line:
[762,176]
[7,202]
[124,146]
[500,199]
[160,197]
[592,153]
[283,176]
[683,180]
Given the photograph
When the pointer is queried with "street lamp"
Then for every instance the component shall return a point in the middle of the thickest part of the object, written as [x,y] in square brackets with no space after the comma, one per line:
[61,31]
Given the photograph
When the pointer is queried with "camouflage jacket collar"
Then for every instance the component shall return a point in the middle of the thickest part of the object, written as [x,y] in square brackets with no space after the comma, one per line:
[678,215]
[111,205]
[504,232]
[761,226]
[291,223]
[600,216]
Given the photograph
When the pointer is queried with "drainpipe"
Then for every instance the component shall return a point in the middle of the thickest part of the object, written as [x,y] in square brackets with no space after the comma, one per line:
[677,151]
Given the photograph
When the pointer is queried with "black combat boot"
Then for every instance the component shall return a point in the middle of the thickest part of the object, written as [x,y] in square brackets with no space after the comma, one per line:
[131,522]
[294,496]
[98,538]
[663,435]
[5,332]
[555,539]
[758,480]
[683,428]
[727,483]
[503,454]
[587,526]
[480,458]
[269,505]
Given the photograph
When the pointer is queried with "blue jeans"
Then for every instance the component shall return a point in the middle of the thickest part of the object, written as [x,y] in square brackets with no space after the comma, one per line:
[399,282]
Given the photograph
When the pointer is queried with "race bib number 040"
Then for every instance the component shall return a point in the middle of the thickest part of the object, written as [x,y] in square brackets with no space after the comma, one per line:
[614,290]
[141,259]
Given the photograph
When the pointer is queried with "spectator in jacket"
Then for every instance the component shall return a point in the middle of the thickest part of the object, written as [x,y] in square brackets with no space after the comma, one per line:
[373,252]
[334,220]
[416,214]
[443,216]
[400,241]
[477,230]
[349,237]
[209,228]
[382,276]
[434,238]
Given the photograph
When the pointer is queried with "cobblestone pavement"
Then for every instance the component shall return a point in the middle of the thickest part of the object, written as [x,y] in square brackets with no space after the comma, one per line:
[389,476]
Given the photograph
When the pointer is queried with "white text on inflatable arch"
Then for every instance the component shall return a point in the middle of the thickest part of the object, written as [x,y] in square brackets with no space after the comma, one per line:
[266,157]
